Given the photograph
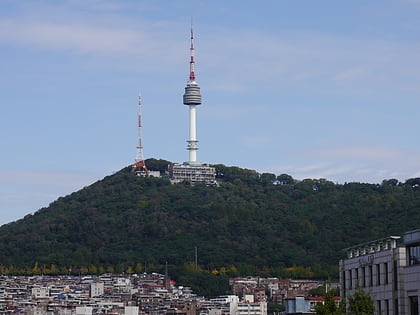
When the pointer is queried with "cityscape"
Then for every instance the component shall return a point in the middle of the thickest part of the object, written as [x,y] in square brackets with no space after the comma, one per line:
[388,271]
[255,242]
[143,294]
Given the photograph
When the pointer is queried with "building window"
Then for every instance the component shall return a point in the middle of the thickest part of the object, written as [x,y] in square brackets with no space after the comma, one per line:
[370,276]
[386,307]
[350,279]
[378,307]
[414,255]
[386,273]
[378,274]
[396,307]
[363,277]
[357,276]
[395,272]
[414,305]
[343,274]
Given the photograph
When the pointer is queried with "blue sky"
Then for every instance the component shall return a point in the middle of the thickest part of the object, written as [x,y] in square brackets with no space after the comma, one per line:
[314,89]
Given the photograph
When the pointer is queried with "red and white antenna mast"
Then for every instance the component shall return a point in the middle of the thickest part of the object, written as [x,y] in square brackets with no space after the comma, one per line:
[192,62]
[139,166]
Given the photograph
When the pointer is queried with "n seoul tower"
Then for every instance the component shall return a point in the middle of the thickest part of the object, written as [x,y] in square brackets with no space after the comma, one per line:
[192,98]
[192,171]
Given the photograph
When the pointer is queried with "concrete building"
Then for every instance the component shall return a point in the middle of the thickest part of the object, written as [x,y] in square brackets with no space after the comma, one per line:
[198,173]
[388,271]
[40,292]
[305,305]
[131,310]
[230,304]
[96,289]
[84,310]
[250,308]
[297,305]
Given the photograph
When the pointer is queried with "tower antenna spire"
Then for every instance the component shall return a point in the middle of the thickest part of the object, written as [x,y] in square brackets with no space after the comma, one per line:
[139,166]
[192,62]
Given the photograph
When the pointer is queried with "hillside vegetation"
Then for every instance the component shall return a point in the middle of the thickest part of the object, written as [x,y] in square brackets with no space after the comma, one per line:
[251,224]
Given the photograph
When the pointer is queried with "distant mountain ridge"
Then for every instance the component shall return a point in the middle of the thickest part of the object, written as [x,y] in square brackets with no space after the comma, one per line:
[258,222]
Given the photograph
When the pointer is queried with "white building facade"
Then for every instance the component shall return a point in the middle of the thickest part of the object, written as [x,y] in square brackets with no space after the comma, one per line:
[193,173]
[96,289]
[236,307]
[40,292]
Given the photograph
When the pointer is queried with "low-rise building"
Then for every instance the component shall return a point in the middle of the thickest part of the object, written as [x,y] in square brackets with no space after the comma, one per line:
[96,289]
[305,305]
[40,292]
[193,173]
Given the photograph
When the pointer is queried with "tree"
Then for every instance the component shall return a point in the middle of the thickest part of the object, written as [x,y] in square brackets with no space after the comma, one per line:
[36,270]
[329,307]
[390,182]
[129,270]
[413,182]
[267,178]
[138,268]
[93,270]
[361,303]
[285,179]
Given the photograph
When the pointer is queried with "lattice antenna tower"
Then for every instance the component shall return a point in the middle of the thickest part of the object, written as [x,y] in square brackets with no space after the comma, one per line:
[139,166]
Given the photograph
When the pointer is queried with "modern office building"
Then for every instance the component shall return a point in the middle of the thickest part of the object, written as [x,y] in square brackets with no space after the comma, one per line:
[387,269]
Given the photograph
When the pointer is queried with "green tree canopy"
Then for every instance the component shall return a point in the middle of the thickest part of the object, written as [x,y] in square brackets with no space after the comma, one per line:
[330,307]
[361,303]
[250,224]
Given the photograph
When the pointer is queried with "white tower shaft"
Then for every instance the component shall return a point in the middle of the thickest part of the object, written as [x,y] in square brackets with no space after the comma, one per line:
[192,142]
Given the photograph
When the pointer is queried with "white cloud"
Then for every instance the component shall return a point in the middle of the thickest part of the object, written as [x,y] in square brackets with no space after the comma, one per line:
[322,59]
[80,38]
[350,74]
[59,180]
[363,153]
[99,5]
[347,163]
[272,58]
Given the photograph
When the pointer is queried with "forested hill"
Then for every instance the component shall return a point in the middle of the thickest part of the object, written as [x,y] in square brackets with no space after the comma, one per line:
[251,223]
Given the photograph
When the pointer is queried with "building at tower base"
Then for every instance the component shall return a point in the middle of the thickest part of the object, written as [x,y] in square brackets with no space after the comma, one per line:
[193,173]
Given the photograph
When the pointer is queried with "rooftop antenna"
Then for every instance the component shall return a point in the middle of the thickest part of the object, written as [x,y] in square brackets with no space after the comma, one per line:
[139,166]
